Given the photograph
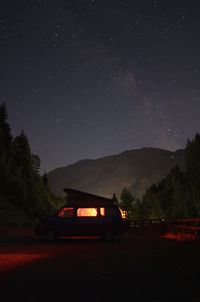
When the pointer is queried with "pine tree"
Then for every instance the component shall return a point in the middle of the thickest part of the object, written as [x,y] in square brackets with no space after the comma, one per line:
[167,199]
[22,158]
[115,200]
[22,189]
[5,144]
[45,180]
[151,203]
[127,201]
[5,133]
[192,163]
[35,162]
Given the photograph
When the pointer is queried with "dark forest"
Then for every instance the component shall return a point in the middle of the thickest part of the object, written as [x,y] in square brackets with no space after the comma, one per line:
[25,195]
[176,196]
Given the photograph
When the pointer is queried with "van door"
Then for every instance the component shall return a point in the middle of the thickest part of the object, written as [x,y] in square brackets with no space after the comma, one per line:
[66,222]
[87,221]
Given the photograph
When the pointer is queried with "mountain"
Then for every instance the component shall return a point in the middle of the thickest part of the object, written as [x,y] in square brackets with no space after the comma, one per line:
[134,169]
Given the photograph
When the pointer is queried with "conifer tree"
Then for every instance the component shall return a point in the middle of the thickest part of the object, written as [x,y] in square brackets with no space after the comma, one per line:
[192,163]
[115,200]
[5,133]
[127,201]
[22,158]
[35,162]
[5,143]
[22,189]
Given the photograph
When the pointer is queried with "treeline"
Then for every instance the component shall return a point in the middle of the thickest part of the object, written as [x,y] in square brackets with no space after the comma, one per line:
[176,196]
[24,194]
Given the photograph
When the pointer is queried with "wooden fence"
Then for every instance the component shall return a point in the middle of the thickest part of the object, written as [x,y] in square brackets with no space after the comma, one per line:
[184,226]
[143,223]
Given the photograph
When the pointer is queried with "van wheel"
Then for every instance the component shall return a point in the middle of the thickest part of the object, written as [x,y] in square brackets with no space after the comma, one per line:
[50,235]
[108,236]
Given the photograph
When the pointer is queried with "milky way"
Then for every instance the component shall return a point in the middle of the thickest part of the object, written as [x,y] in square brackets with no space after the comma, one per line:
[86,79]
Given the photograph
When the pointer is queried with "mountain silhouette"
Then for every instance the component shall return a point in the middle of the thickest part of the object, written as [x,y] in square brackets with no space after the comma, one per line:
[134,169]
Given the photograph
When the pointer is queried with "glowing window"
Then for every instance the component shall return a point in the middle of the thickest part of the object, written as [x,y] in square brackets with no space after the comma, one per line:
[66,212]
[86,212]
[102,211]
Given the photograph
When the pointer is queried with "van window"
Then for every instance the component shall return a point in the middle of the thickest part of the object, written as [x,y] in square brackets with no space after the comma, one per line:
[86,212]
[66,212]
[112,211]
[102,211]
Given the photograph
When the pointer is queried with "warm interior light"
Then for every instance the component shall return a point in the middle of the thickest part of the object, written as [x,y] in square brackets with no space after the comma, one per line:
[123,213]
[102,211]
[86,212]
[66,212]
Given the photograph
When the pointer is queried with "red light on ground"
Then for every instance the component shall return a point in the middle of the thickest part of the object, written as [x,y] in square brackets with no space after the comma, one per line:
[87,212]
[179,236]
[12,261]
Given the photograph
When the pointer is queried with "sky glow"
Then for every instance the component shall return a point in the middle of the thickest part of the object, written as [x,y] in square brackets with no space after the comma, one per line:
[86,79]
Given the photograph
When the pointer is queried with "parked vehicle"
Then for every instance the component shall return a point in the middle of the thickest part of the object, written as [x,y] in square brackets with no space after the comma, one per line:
[104,221]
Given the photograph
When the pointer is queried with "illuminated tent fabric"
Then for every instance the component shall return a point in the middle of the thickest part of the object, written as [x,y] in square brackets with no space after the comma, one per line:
[78,198]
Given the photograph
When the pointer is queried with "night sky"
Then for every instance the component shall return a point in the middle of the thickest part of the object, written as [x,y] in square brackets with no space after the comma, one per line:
[86,79]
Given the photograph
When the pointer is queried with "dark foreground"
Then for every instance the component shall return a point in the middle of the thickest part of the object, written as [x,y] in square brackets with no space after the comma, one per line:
[133,268]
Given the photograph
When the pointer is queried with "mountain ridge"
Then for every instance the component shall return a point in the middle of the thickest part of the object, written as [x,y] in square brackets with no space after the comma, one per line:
[134,169]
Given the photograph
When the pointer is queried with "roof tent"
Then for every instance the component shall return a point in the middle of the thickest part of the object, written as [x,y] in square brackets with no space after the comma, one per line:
[79,198]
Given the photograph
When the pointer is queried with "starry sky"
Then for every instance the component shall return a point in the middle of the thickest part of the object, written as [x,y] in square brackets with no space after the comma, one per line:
[91,78]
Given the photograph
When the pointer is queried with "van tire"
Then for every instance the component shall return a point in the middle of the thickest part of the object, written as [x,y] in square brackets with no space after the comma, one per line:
[50,235]
[108,236]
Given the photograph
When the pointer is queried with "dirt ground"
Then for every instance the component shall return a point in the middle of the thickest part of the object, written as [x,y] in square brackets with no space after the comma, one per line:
[136,267]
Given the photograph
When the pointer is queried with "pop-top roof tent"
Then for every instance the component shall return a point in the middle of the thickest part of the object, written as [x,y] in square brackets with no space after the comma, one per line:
[79,198]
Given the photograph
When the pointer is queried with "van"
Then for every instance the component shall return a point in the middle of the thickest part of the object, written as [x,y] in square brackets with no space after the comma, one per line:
[104,221]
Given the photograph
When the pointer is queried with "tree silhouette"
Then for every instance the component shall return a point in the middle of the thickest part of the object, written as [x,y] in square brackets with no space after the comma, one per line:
[178,194]
[127,201]
[192,163]
[24,194]
[5,133]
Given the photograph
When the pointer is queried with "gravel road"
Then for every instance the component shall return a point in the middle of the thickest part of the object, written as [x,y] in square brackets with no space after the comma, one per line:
[136,267]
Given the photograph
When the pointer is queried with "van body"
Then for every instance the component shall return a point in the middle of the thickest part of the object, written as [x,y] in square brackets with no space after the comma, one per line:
[104,220]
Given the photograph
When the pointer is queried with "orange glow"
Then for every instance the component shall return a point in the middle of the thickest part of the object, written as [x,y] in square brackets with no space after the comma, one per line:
[11,261]
[179,236]
[123,213]
[70,212]
[102,211]
[87,212]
